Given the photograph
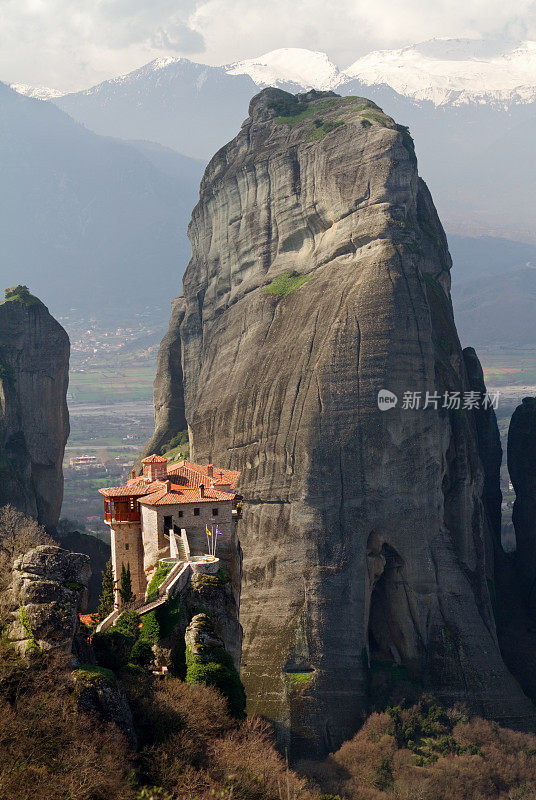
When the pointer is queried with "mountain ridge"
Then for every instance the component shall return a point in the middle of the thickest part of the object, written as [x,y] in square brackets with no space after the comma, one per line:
[442,71]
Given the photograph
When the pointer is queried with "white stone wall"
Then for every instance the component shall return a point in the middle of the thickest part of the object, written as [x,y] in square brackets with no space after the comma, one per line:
[155,546]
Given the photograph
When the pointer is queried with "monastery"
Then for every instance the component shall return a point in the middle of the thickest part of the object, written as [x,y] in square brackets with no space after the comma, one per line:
[164,515]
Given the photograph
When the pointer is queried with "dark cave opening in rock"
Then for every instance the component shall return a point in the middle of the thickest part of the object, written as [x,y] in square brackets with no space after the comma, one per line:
[390,629]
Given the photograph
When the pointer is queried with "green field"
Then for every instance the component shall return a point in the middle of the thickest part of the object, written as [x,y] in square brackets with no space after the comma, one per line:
[112,385]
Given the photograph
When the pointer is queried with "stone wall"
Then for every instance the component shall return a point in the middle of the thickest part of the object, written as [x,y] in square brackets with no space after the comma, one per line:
[127,549]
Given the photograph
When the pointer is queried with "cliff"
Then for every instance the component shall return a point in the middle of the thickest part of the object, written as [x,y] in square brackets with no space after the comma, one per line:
[522,469]
[34,420]
[319,276]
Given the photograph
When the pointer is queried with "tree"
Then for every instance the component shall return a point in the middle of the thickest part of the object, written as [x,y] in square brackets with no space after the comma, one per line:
[125,585]
[106,601]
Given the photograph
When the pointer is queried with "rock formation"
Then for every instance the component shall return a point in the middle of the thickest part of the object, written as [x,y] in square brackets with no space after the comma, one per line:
[319,276]
[522,469]
[48,590]
[34,420]
[489,447]
[97,692]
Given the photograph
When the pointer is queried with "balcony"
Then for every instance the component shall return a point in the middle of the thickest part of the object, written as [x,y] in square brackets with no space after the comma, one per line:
[116,512]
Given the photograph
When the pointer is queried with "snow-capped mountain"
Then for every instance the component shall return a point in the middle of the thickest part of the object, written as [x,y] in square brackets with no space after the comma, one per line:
[453,71]
[291,66]
[37,92]
[443,71]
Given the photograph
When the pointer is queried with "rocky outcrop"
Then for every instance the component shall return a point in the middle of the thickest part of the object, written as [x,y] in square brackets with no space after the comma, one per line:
[522,469]
[97,692]
[34,420]
[201,639]
[215,596]
[48,589]
[489,446]
[320,276]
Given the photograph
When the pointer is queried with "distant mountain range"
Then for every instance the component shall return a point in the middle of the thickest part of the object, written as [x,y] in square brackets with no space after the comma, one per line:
[88,221]
[443,71]
[470,106]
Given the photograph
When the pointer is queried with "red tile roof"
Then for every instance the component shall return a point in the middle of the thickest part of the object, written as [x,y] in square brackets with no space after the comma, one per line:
[179,495]
[196,474]
[154,459]
[133,488]
[181,486]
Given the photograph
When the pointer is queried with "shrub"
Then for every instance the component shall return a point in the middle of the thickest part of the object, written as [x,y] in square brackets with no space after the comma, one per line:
[129,623]
[430,752]
[125,585]
[159,624]
[142,653]
[106,601]
[219,672]
[20,294]
[324,128]
[47,748]
[113,647]
[191,748]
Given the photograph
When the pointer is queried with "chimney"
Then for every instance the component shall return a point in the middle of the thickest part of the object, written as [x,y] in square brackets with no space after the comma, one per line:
[168,485]
[210,470]
[202,490]
[132,474]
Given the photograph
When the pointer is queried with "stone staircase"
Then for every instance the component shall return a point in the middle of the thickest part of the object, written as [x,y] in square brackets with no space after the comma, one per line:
[175,581]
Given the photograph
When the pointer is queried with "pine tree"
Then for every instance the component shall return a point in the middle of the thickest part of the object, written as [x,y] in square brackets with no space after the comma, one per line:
[125,585]
[106,601]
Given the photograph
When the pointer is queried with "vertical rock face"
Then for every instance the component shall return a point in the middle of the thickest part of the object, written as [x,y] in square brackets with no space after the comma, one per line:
[34,420]
[489,446]
[49,588]
[522,469]
[319,276]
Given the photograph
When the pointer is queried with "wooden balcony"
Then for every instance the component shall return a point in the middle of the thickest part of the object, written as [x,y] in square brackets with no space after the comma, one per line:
[127,510]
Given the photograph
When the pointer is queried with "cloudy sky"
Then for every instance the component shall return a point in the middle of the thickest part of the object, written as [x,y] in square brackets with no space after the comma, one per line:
[72,44]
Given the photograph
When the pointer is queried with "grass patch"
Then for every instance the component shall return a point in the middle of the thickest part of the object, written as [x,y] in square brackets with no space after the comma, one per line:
[304,110]
[93,674]
[177,447]
[162,571]
[323,128]
[299,681]
[376,116]
[221,578]
[286,283]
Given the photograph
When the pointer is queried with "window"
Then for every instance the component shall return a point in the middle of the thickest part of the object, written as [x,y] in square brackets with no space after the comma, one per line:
[168,523]
[214,512]
[181,512]
[127,546]
[196,512]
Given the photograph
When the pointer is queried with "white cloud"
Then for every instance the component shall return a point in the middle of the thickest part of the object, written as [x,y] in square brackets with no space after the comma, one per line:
[71,44]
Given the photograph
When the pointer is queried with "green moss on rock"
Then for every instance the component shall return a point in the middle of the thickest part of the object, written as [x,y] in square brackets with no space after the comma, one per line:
[286,283]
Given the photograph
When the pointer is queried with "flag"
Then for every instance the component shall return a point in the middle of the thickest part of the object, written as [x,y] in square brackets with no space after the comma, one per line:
[218,532]
[209,533]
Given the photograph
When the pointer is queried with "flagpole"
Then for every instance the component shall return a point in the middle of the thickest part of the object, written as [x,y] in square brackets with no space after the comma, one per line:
[213,542]
[208,543]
